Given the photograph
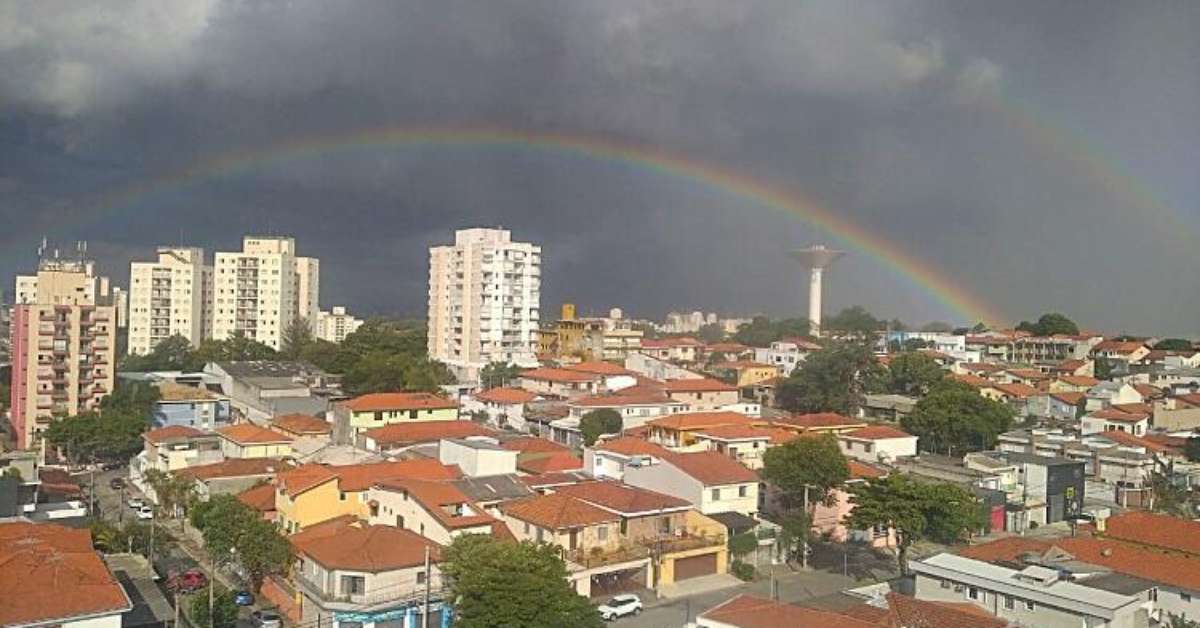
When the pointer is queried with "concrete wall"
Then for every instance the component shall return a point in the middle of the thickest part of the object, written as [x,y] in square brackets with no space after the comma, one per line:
[476,462]
[1041,616]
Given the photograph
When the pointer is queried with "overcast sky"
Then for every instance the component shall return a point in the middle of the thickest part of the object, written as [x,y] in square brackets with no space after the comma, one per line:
[1042,155]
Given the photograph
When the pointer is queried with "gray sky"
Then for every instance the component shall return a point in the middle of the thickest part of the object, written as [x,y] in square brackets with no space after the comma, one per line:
[1038,155]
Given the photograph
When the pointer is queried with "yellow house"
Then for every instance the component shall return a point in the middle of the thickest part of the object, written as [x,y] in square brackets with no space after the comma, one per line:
[312,493]
[746,373]
[246,440]
[379,409]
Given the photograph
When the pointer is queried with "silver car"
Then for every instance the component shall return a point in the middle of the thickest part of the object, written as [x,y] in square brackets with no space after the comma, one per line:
[267,619]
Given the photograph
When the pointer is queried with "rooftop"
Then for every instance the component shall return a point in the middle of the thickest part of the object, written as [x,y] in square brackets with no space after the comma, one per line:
[559,375]
[623,498]
[557,511]
[551,463]
[303,424]
[817,420]
[700,420]
[630,446]
[505,396]
[878,432]
[251,434]
[702,384]
[172,433]
[712,468]
[425,432]
[170,391]
[341,544]
[748,611]
[376,402]
[235,468]
[260,498]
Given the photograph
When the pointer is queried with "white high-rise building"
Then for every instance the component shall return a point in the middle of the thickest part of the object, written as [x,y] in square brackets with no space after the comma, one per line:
[308,290]
[167,298]
[254,291]
[336,325]
[484,292]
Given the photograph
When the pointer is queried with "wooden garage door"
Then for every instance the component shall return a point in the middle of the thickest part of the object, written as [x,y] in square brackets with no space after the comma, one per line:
[703,565]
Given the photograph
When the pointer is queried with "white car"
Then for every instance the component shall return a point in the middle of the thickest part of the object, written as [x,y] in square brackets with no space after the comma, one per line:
[135,503]
[620,606]
[145,512]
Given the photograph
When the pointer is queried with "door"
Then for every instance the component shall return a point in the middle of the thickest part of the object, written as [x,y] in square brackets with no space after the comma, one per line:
[695,566]
[1058,509]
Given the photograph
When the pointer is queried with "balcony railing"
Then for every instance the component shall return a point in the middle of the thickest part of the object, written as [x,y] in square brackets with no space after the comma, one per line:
[683,542]
[391,596]
[592,559]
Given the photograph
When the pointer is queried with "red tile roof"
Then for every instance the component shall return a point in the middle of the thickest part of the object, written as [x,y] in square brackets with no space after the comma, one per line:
[260,498]
[634,396]
[505,396]
[1018,390]
[736,432]
[557,511]
[878,432]
[863,471]
[700,420]
[1129,440]
[817,420]
[623,498]
[712,468]
[534,444]
[303,424]
[1155,530]
[971,380]
[597,367]
[748,611]
[1120,416]
[376,402]
[1117,346]
[434,495]
[1148,391]
[904,611]
[1007,549]
[359,477]
[235,468]
[630,446]
[742,364]
[339,544]
[559,375]
[551,463]
[1079,380]
[171,432]
[304,477]
[397,434]
[49,574]
[703,384]
[251,434]
[727,347]
[1071,398]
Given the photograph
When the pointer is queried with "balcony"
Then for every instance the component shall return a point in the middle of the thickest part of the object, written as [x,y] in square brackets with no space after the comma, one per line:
[599,557]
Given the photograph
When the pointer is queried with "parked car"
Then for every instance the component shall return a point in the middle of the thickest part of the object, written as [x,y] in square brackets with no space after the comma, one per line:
[135,502]
[116,484]
[187,582]
[266,619]
[145,512]
[620,606]
[243,598]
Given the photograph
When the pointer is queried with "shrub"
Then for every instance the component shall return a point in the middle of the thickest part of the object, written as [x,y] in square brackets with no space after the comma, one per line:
[743,571]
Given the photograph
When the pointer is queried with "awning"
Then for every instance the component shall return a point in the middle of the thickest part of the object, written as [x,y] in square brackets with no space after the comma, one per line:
[735,522]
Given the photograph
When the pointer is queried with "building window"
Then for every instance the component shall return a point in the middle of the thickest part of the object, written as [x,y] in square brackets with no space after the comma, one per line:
[973,593]
[742,491]
[354,585]
[1186,597]
[420,577]
[602,533]
[716,494]
[1152,594]
[945,584]
[1029,605]
[1009,604]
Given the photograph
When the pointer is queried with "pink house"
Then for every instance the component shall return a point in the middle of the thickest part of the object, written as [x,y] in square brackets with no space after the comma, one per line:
[828,519]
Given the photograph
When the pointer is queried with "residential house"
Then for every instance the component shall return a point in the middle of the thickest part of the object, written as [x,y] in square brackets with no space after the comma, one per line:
[615,377]
[365,412]
[877,443]
[401,436]
[887,611]
[1052,488]
[261,389]
[609,459]
[261,498]
[786,354]
[679,430]
[536,456]
[312,493]
[1031,596]
[246,440]
[1056,406]
[1113,419]
[1083,367]
[504,407]
[886,408]
[1015,395]
[436,510]
[829,518]
[1177,412]
[818,423]
[561,383]
[1120,355]
[701,395]
[1105,394]
[299,425]
[232,476]
[711,481]
[1072,383]
[477,457]
[744,373]
[744,444]
[371,573]
[189,406]
[636,405]
[172,448]
[681,349]
[53,577]
[685,543]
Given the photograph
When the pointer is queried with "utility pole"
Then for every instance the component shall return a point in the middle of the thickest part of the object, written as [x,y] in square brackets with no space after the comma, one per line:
[212,583]
[808,524]
[428,584]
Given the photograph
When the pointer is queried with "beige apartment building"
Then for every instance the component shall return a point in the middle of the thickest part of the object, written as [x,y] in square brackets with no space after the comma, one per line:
[334,326]
[169,297]
[63,344]
[260,290]
[484,295]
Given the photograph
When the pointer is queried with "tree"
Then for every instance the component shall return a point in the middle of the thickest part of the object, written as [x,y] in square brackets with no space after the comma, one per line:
[262,551]
[174,493]
[496,374]
[91,437]
[937,327]
[236,348]
[1050,324]
[234,531]
[12,472]
[955,417]
[813,464]
[381,371]
[710,333]
[1174,344]
[172,354]
[498,584]
[1191,449]
[225,610]
[599,422]
[296,338]
[830,380]
[854,320]
[762,331]
[742,544]
[1180,621]
[913,373]
[914,510]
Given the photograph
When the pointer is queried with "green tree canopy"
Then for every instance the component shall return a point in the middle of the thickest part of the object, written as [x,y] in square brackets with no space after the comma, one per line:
[954,417]
[710,333]
[224,613]
[499,584]
[854,320]
[498,374]
[1191,449]
[1050,324]
[816,463]
[234,531]
[913,373]
[830,380]
[1174,344]
[297,337]
[762,331]
[596,423]
[173,354]
[942,512]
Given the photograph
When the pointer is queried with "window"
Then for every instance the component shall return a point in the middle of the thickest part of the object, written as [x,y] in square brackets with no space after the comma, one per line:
[1009,604]
[1186,597]
[664,525]
[716,494]
[602,533]
[973,593]
[420,577]
[526,527]
[412,414]
[342,495]
[354,585]
[945,584]
[1153,594]
[742,491]
[1029,605]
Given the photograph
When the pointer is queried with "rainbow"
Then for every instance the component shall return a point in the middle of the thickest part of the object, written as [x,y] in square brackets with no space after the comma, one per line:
[948,292]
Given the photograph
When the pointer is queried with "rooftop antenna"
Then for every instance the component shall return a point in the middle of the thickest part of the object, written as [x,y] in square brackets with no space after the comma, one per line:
[41,250]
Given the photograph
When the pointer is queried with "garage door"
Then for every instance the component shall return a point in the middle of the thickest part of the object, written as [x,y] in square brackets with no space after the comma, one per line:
[703,565]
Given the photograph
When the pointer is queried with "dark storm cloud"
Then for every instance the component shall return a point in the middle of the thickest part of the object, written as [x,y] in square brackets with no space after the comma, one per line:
[884,111]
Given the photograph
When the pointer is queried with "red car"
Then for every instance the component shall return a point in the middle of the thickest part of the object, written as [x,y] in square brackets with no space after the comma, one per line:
[187,582]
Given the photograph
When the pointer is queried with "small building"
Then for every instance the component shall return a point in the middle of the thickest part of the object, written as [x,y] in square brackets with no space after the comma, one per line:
[679,430]
[744,373]
[561,383]
[232,476]
[189,406]
[1112,419]
[712,482]
[701,394]
[609,459]
[477,456]
[246,440]
[298,425]
[504,407]
[401,436]
[889,408]
[877,443]
[261,389]
[436,510]
[366,412]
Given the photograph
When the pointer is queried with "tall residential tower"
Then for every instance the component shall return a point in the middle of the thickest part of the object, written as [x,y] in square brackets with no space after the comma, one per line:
[484,292]
[261,290]
[167,298]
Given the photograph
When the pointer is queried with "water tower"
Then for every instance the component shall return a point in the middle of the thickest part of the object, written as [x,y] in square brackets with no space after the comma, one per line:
[816,258]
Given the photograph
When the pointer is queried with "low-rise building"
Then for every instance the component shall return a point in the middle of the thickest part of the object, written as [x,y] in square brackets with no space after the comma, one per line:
[189,406]
[232,476]
[712,482]
[169,449]
[680,430]
[436,510]
[261,389]
[477,456]
[366,412]
[609,459]
[785,355]
[636,405]
[301,426]
[246,440]
[701,394]
[504,407]
[744,444]
[877,443]
[400,436]
[1113,419]
[562,383]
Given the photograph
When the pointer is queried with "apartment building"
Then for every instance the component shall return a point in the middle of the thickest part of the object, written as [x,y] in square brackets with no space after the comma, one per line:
[484,295]
[336,324]
[260,290]
[167,298]
[63,345]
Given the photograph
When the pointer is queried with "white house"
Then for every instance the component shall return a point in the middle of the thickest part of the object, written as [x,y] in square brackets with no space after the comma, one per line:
[609,459]
[1112,419]
[877,443]
[712,482]
[504,407]
[786,354]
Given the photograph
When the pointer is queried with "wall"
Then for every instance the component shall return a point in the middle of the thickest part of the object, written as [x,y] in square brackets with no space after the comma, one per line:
[315,505]
[107,621]
[477,462]
[393,504]
[1042,616]
[706,401]
[730,500]
[665,479]
[204,414]
[362,421]
[272,450]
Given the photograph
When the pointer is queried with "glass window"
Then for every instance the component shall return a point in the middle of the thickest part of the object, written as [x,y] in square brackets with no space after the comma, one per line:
[742,491]
[1029,605]
[716,494]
